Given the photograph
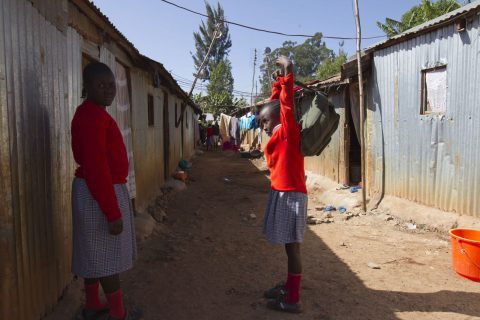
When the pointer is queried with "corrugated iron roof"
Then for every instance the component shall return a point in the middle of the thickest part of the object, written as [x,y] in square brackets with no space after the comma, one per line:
[176,86]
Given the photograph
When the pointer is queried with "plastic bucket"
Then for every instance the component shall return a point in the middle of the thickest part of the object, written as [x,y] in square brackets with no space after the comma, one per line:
[466,252]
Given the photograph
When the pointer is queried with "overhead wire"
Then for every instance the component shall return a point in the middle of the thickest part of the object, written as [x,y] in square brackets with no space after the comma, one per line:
[187,82]
[265,30]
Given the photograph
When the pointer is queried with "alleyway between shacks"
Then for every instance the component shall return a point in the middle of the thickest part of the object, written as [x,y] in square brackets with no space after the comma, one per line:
[209,260]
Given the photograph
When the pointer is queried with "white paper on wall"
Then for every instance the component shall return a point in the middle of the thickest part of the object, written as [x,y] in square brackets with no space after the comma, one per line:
[436,86]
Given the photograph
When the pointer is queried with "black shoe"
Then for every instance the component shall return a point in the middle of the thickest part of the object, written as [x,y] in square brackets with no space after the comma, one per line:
[134,314]
[281,305]
[276,292]
[93,314]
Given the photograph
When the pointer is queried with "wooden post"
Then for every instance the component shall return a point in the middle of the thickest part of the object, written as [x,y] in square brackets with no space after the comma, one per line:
[362,104]
[253,78]
[216,34]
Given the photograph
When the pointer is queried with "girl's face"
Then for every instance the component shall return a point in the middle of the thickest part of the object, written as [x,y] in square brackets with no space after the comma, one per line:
[102,89]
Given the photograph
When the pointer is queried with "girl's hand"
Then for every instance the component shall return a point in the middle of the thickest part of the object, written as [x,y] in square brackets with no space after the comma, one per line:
[115,227]
[284,62]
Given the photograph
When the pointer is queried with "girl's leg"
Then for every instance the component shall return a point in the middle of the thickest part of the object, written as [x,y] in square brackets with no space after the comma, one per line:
[92,295]
[111,287]
[294,272]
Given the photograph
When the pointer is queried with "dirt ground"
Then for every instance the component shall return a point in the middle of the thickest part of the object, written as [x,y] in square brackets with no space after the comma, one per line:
[210,260]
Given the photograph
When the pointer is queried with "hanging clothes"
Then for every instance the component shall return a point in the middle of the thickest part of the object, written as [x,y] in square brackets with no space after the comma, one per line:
[234,131]
[225,126]
[243,124]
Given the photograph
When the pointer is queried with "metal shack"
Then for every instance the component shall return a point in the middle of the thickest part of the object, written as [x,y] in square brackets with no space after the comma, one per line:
[422,125]
[43,47]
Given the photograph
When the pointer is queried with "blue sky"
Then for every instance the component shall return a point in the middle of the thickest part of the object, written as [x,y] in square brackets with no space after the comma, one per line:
[165,33]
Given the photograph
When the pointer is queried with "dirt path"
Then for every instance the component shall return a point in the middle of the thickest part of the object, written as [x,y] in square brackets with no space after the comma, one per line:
[211,262]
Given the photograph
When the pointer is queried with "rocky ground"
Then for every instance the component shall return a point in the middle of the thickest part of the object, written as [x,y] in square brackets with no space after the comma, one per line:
[207,259]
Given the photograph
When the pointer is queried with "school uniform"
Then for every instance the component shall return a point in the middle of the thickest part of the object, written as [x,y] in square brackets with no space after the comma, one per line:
[100,195]
[286,212]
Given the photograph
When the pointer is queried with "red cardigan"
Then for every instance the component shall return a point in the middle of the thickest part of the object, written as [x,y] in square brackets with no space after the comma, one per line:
[284,156]
[98,148]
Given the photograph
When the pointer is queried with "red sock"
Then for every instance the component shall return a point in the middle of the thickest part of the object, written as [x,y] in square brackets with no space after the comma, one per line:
[92,296]
[293,287]
[115,299]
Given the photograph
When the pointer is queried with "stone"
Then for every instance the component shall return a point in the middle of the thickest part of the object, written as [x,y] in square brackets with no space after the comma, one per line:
[144,225]
[160,201]
[374,266]
[160,215]
[389,218]
[252,216]
[151,210]
[175,185]
[314,221]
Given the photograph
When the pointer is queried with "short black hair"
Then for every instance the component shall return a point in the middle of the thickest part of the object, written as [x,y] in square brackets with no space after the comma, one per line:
[92,70]
[273,105]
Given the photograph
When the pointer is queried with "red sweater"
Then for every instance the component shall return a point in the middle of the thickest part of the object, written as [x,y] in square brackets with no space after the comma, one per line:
[98,148]
[283,153]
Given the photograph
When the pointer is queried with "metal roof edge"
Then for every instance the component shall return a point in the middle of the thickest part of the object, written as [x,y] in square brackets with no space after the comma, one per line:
[172,82]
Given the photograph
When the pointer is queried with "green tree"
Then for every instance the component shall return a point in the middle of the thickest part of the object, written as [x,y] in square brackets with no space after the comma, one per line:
[307,57]
[332,65]
[221,79]
[220,88]
[204,37]
[417,15]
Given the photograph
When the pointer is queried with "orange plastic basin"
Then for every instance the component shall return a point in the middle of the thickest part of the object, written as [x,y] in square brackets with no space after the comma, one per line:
[466,252]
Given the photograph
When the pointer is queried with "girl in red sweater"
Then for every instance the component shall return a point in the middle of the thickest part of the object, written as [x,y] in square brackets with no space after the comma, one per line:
[103,229]
[285,216]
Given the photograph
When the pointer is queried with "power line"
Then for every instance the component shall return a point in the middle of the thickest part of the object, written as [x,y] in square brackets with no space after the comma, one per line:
[184,81]
[264,30]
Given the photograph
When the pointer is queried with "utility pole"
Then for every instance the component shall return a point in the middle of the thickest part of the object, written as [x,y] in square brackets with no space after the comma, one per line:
[216,35]
[253,78]
[362,104]
[266,62]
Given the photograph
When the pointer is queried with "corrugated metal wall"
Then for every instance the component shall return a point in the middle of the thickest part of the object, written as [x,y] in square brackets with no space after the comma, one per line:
[40,87]
[188,132]
[175,132]
[429,159]
[147,141]
[331,163]
[40,72]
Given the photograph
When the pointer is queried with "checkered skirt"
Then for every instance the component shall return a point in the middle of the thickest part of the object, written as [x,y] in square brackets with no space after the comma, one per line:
[97,253]
[285,217]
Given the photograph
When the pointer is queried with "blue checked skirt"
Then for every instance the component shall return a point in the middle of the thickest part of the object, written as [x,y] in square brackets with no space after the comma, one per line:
[97,253]
[285,217]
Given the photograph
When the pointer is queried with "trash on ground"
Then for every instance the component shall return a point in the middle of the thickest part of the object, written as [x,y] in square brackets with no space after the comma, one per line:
[342,209]
[355,189]
[184,164]
[372,265]
[180,175]
[411,226]
[329,208]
